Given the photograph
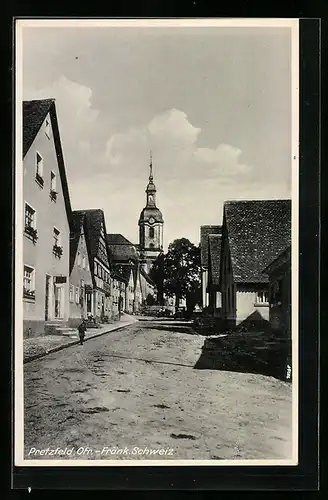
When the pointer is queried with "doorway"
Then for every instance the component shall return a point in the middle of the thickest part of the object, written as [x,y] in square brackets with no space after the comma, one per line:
[59,301]
[47,311]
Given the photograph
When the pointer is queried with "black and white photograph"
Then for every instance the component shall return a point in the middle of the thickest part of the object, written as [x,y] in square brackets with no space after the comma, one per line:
[156,242]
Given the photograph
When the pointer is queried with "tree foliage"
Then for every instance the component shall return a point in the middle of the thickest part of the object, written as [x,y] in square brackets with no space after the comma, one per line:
[178,271]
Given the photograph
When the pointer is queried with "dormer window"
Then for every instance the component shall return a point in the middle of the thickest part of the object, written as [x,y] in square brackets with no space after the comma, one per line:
[39,169]
[47,128]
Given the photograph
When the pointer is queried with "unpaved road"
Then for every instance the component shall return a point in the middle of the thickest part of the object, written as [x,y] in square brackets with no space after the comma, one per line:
[137,389]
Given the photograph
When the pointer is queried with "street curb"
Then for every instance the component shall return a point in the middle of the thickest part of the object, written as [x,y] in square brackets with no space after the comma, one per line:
[74,342]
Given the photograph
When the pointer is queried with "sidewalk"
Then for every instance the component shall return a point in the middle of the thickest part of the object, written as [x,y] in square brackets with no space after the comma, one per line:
[37,347]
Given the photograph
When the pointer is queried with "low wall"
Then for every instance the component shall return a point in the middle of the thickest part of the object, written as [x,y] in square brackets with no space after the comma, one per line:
[33,328]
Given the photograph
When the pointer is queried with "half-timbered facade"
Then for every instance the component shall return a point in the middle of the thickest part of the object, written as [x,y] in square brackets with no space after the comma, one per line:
[98,301]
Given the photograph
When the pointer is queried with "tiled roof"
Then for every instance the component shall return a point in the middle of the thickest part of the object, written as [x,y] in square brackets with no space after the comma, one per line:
[258,230]
[121,249]
[117,239]
[93,219]
[34,114]
[205,231]
[123,270]
[281,259]
[214,248]
[148,212]
[147,277]
[76,224]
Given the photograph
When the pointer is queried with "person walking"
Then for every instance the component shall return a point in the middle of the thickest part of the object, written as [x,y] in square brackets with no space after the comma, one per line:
[82,329]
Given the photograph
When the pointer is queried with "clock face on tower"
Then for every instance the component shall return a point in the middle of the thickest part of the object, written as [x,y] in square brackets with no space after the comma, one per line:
[151,220]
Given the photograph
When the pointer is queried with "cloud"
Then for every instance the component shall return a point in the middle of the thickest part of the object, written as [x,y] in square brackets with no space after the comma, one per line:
[224,160]
[173,140]
[78,121]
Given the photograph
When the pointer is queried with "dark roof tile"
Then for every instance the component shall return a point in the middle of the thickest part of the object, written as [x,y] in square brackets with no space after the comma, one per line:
[205,231]
[258,230]
[34,114]
[121,249]
[214,247]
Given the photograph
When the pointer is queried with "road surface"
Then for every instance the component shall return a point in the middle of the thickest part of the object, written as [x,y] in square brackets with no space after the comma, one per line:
[136,389]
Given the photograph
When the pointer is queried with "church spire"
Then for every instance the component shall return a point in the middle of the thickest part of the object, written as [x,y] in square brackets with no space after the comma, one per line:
[151,168]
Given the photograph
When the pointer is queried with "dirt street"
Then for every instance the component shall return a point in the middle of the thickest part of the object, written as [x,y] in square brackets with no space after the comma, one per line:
[137,389]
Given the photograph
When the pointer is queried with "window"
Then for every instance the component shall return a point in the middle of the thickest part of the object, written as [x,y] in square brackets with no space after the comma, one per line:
[83,261]
[39,169]
[28,282]
[71,293]
[56,237]
[53,192]
[262,297]
[29,216]
[47,128]
[77,292]
[29,223]
[151,232]
[79,259]
[57,248]
[151,245]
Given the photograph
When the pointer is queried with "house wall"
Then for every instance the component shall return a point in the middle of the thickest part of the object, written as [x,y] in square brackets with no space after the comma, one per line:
[129,295]
[205,294]
[49,214]
[137,295]
[77,310]
[247,304]
[118,290]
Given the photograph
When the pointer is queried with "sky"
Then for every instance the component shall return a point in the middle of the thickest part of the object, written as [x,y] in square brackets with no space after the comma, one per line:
[212,104]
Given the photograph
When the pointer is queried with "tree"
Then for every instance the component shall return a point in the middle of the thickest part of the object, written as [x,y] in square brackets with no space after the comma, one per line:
[150,301]
[178,272]
[157,275]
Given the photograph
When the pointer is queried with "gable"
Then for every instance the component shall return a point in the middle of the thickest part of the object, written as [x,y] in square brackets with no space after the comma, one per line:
[35,113]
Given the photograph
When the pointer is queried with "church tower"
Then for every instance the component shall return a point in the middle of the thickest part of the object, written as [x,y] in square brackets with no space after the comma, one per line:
[150,226]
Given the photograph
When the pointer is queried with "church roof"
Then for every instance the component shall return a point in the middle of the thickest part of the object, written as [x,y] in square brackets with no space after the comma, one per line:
[147,277]
[257,231]
[148,212]
[205,231]
[123,270]
[117,239]
[121,249]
